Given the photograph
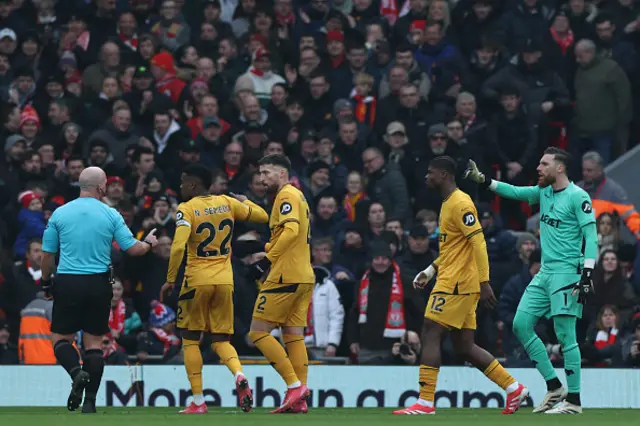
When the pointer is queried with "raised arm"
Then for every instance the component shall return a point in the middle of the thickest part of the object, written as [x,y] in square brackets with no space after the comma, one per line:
[245,210]
[530,194]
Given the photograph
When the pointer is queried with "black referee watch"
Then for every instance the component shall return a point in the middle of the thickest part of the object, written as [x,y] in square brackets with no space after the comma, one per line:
[148,243]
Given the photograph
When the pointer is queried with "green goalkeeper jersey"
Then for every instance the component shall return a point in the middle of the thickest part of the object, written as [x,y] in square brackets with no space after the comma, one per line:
[566,218]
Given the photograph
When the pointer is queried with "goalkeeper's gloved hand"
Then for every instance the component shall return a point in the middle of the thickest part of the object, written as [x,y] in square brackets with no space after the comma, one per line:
[47,288]
[473,174]
[259,268]
[584,287]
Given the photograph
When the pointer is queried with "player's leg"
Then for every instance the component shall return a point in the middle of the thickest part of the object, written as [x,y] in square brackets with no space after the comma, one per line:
[430,361]
[565,310]
[65,323]
[192,316]
[293,335]
[464,345]
[293,332]
[270,311]
[221,327]
[95,326]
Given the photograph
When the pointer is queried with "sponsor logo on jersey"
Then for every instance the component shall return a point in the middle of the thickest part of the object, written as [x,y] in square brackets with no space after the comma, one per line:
[285,208]
[548,220]
[586,207]
[468,219]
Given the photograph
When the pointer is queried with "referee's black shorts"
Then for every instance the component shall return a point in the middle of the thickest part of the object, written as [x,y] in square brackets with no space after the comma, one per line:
[81,302]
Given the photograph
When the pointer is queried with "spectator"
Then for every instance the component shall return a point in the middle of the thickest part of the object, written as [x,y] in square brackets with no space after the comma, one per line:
[612,287]
[161,339]
[124,323]
[382,312]
[608,233]
[35,332]
[607,195]
[603,105]
[386,184]
[327,220]
[32,223]
[323,333]
[602,348]
[322,257]
[261,76]
[172,31]
[406,351]
[355,193]
[418,255]
[631,345]
[8,350]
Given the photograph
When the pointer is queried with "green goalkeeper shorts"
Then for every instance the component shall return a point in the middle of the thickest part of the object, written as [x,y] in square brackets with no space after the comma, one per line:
[548,295]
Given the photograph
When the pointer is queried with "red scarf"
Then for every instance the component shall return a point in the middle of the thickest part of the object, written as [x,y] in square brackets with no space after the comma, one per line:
[604,339]
[36,276]
[564,42]
[389,11]
[350,202]
[395,325]
[365,110]
[284,20]
[253,70]
[168,339]
[117,316]
[336,62]
[468,123]
[113,347]
[131,42]
[230,171]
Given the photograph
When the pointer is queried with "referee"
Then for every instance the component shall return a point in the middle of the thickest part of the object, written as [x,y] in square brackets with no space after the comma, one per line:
[82,232]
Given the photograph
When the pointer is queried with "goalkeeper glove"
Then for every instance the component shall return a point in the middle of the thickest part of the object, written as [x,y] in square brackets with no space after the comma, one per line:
[259,268]
[584,288]
[47,288]
[473,174]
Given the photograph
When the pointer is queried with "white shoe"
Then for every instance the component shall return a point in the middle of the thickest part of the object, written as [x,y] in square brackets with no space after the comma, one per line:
[565,408]
[551,399]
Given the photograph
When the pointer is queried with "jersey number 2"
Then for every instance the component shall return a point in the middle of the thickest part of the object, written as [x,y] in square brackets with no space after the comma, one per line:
[224,246]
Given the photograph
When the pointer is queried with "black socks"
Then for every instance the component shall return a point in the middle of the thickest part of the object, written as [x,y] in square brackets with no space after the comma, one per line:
[93,363]
[67,357]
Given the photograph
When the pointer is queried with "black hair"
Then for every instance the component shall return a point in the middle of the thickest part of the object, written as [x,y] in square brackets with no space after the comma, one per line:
[218,173]
[444,163]
[7,110]
[75,157]
[559,155]
[139,150]
[200,172]
[276,160]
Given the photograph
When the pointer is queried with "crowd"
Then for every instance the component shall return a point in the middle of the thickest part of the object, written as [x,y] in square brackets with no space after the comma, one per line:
[361,95]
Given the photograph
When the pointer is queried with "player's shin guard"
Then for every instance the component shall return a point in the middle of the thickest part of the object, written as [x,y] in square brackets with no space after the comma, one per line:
[193,364]
[228,356]
[297,351]
[93,363]
[427,381]
[275,354]
[498,375]
[523,328]
[67,357]
[565,328]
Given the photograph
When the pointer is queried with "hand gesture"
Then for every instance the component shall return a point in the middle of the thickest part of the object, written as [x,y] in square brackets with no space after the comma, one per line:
[487,296]
[423,277]
[151,237]
[166,287]
[291,74]
[239,197]
[188,110]
[330,351]
[473,174]
[354,348]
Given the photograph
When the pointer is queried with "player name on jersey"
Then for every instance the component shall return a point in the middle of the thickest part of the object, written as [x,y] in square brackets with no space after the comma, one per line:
[213,210]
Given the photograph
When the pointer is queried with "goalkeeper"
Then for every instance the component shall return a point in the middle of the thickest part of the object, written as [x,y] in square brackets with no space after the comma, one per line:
[569,246]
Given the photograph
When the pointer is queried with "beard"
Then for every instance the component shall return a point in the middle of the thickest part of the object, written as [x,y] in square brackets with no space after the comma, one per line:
[271,188]
[546,181]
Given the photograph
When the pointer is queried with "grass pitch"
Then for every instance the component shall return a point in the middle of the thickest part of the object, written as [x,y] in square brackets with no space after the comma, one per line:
[149,416]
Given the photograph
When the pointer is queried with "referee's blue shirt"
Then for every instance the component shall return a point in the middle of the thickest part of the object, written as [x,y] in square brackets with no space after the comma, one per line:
[83,231]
